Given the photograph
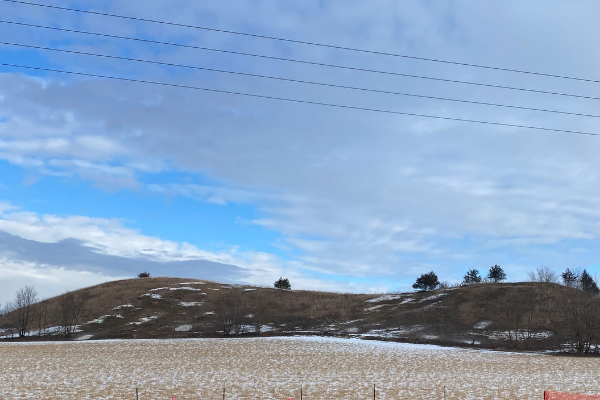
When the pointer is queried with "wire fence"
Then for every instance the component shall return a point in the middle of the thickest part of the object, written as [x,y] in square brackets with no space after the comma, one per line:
[375,393]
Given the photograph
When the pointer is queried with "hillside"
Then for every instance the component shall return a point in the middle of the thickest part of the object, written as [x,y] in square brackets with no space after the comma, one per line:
[531,316]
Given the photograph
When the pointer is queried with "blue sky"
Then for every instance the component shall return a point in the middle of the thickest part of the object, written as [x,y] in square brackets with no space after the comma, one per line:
[100,178]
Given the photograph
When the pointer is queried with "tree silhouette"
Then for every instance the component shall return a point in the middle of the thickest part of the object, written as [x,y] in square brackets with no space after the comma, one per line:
[425,282]
[283,283]
[472,276]
[496,274]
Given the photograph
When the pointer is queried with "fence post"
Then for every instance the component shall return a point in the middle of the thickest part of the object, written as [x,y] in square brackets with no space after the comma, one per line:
[300,391]
[444,392]
[223,393]
[373,391]
[137,397]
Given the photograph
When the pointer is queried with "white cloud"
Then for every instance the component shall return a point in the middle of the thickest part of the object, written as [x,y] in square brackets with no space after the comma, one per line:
[49,281]
[111,237]
[356,193]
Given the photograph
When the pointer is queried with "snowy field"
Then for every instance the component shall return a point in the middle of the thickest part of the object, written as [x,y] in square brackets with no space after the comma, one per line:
[274,368]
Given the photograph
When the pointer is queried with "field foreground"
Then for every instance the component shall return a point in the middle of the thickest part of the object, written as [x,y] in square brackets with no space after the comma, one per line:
[275,368]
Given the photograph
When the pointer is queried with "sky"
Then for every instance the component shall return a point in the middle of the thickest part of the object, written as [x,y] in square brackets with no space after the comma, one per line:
[101,179]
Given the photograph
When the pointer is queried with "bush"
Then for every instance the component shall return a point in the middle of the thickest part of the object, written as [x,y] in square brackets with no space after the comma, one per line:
[282,283]
[496,274]
[144,274]
[426,282]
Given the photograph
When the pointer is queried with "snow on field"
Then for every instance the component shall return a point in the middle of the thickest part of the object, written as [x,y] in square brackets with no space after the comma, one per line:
[143,319]
[435,296]
[274,368]
[123,306]
[521,334]
[183,328]
[391,333]
[482,325]
[375,308]
[101,319]
[184,288]
[385,297]
[190,303]
[152,295]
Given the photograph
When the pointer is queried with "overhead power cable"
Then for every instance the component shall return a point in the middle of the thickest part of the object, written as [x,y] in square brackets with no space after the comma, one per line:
[300,61]
[296,80]
[300,41]
[302,101]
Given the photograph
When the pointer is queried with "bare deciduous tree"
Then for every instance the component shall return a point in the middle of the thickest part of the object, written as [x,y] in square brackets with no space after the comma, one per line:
[543,274]
[231,311]
[68,307]
[42,312]
[260,307]
[25,298]
[582,312]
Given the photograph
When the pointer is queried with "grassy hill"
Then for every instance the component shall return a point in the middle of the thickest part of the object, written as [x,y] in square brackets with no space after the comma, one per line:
[531,316]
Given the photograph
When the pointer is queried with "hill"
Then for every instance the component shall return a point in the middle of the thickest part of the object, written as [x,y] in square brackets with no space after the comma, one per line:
[528,316]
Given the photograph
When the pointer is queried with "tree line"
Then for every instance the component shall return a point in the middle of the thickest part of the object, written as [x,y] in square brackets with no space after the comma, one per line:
[578,279]
[26,316]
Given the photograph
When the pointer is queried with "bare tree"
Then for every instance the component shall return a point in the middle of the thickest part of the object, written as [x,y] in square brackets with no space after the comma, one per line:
[42,312]
[543,274]
[24,300]
[8,320]
[260,308]
[582,312]
[231,311]
[516,317]
[68,307]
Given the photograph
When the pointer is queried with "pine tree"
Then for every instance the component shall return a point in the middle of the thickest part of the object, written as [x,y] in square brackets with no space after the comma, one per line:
[496,274]
[472,276]
[570,278]
[282,283]
[588,284]
[426,282]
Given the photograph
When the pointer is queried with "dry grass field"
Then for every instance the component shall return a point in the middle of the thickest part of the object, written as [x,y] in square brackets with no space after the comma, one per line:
[274,368]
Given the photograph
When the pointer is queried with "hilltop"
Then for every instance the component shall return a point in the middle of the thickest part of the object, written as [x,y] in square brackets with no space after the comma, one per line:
[529,316]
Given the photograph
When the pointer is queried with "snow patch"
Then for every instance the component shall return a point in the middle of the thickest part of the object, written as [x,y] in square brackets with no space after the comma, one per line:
[143,319]
[123,306]
[152,296]
[385,297]
[435,296]
[183,328]
[482,325]
[190,304]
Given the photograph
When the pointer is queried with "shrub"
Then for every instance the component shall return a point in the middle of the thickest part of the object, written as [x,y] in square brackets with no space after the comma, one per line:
[144,274]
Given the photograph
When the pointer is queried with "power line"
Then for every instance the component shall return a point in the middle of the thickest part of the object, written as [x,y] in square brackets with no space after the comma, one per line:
[301,41]
[300,61]
[299,81]
[301,101]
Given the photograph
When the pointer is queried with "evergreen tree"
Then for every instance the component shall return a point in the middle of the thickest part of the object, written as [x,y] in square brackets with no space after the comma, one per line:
[570,278]
[588,284]
[282,283]
[496,274]
[472,276]
[426,282]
